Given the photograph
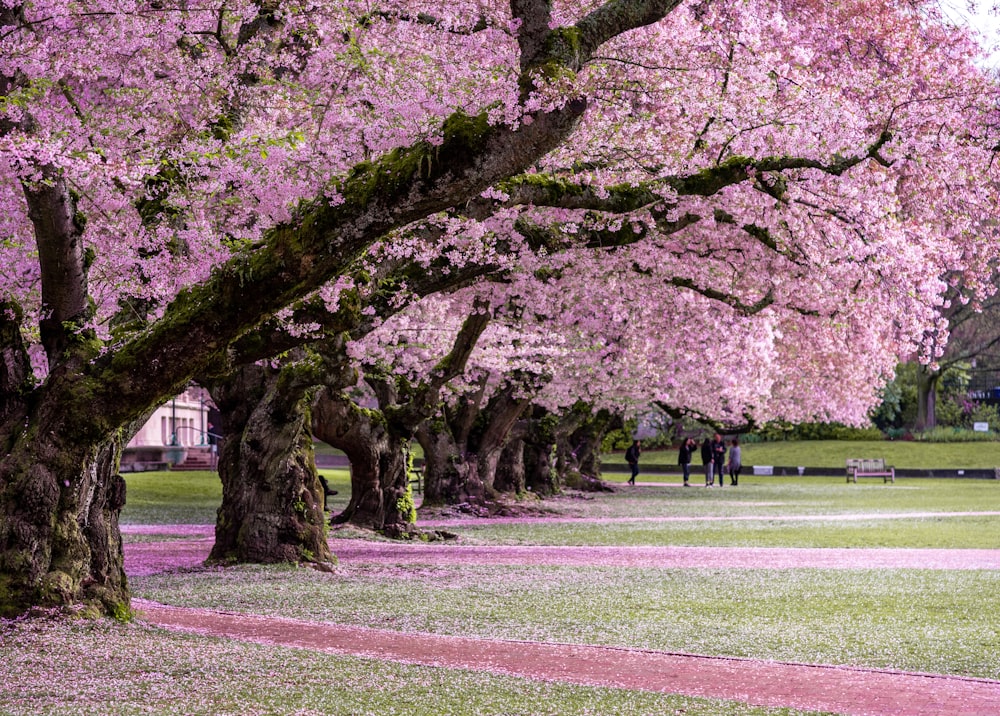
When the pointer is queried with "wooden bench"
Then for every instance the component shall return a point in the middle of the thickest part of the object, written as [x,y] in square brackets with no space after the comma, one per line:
[869,467]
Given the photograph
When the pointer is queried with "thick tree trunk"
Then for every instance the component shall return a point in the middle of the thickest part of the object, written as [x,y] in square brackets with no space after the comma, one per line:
[376,441]
[59,508]
[927,381]
[525,464]
[579,434]
[462,450]
[540,477]
[587,439]
[451,475]
[510,475]
[60,492]
[272,502]
[380,492]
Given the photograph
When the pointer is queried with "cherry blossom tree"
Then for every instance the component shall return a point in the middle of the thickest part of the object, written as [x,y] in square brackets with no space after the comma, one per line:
[165,189]
[272,503]
[173,176]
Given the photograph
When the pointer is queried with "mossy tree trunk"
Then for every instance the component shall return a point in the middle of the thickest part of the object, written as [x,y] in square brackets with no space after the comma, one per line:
[510,476]
[526,463]
[380,498]
[61,440]
[451,473]
[60,493]
[272,502]
[59,539]
[579,435]
[376,440]
[463,446]
[540,473]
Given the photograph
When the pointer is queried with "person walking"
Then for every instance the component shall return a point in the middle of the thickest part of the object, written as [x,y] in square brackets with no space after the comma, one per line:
[706,460]
[684,459]
[735,462]
[719,458]
[632,458]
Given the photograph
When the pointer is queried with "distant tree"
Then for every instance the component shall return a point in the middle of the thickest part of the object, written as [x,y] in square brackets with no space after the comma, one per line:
[970,336]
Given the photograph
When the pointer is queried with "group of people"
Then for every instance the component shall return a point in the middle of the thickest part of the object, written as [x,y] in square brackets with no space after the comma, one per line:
[713,457]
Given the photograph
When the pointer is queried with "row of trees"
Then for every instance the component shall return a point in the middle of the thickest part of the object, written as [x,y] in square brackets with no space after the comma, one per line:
[743,210]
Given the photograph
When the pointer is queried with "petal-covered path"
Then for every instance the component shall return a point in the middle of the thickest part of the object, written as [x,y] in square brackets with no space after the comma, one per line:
[764,683]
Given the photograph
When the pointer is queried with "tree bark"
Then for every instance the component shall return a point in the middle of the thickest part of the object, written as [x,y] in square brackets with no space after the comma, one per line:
[526,463]
[272,502]
[451,474]
[376,440]
[60,502]
[60,491]
[579,434]
[586,440]
[380,494]
[540,474]
[927,381]
[463,447]
[510,476]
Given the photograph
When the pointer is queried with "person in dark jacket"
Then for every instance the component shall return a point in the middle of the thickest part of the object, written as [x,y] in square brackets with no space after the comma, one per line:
[684,458]
[719,457]
[706,460]
[735,462]
[632,458]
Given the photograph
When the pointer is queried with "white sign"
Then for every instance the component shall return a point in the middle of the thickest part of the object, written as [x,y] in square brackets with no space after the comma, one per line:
[981,427]
[763,469]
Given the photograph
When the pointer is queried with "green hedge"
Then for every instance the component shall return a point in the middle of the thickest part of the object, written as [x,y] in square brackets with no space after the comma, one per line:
[954,435]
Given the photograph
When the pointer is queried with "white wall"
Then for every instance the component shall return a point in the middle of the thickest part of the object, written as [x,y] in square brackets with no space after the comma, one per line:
[188,412]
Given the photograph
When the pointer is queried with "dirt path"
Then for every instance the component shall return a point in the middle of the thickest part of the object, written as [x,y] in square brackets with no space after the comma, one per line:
[775,684]
[762,683]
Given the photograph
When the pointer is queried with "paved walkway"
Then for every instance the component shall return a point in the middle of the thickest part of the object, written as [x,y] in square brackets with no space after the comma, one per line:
[809,687]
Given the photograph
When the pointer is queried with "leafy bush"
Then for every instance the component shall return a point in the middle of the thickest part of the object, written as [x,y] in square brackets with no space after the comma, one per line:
[951,413]
[660,441]
[619,438]
[836,431]
[954,435]
[985,413]
[813,431]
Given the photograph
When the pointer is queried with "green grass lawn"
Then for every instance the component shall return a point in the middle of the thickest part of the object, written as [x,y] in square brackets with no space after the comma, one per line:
[159,498]
[763,512]
[918,620]
[923,620]
[914,619]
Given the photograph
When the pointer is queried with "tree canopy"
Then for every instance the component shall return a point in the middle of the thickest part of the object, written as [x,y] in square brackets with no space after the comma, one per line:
[174,174]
